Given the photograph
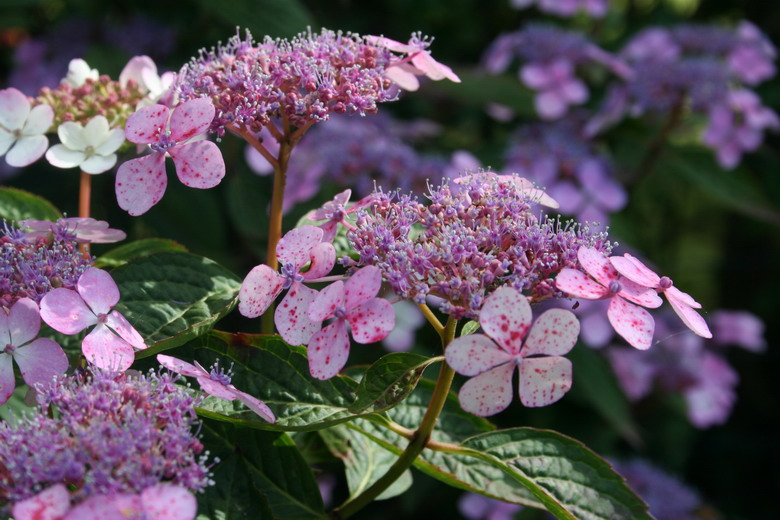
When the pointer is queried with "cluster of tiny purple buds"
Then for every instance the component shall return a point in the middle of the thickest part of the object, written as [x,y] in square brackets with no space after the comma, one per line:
[291,274]
[471,239]
[164,143]
[110,434]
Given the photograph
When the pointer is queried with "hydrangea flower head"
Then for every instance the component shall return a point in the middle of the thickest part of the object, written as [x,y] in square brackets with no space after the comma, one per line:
[22,128]
[492,357]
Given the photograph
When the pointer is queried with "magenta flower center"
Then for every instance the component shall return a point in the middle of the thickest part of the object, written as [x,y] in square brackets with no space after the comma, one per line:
[221,375]
[9,349]
[340,312]
[102,318]
[290,274]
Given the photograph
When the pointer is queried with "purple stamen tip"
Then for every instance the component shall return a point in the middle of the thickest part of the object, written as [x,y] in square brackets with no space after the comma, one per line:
[9,349]
[340,312]
[665,282]
[615,287]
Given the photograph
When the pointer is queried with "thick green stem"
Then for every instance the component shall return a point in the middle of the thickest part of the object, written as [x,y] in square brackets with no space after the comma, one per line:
[419,440]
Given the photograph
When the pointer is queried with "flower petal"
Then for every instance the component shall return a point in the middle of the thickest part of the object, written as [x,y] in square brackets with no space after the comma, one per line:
[14,109]
[27,150]
[326,302]
[98,164]
[690,317]
[488,393]
[111,143]
[119,324]
[544,380]
[60,156]
[372,321]
[633,269]
[168,502]
[50,504]
[258,290]
[96,131]
[140,183]
[432,68]
[473,354]
[506,317]
[191,118]
[639,294]
[105,507]
[682,297]
[65,311]
[72,136]
[403,77]
[216,388]
[323,258]
[7,379]
[98,290]
[291,317]
[256,405]
[328,350]
[39,120]
[106,350]
[135,68]
[23,322]
[554,333]
[363,285]
[41,360]
[199,164]
[633,323]
[7,139]
[146,124]
[296,245]
[181,367]
[549,105]
[597,265]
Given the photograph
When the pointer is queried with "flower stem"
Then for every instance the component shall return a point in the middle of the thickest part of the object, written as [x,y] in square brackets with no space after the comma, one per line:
[85,196]
[656,146]
[419,440]
[431,317]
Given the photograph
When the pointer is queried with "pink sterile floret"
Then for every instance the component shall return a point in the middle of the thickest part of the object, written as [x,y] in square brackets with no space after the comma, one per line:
[633,323]
[506,318]
[334,212]
[418,62]
[525,187]
[217,383]
[110,345]
[39,359]
[262,285]
[682,303]
[141,182]
[84,229]
[354,302]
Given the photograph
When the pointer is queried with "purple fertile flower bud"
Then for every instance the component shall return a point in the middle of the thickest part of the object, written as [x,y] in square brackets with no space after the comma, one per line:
[666,495]
[740,328]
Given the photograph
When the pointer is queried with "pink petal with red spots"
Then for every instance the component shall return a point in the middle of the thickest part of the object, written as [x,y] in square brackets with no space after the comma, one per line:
[106,350]
[65,311]
[180,367]
[258,290]
[684,298]
[105,507]
[578,285]
[372,321]
[323,258]
[635,270]
[291,318]
[191,118]
[127,332]
[544,380]
[639,294]
[296,245]
[98,290]
[402,75]
[488,393]
[329,230]
[50,504]
[597,265]
[327,301]
[432,68]
[473,354]
[140,183]
[553,333]
[328,350]
[392,45]
[339,200]
[7,379]
[216,388]
[633,323]
[255,404]
[506,317]
[362,286]
[146,124]
[199,164]
[168,502]
[41,360]
[690,317]
[21,325]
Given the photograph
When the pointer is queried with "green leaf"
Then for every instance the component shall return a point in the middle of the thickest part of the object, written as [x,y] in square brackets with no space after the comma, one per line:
[389,381]
[137,249]
[273,17]
[260,475]
[16,204]
[478,89]
[470,327]
[172,298]
[364,461]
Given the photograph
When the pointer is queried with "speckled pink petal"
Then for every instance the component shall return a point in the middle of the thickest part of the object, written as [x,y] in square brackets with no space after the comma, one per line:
[326,302]
[180,367]
[191,118]
[106,350]
[684,298]
[473,354]
[488,393]
[168,502]
[372,321]
[506,317]
[633,269]
[258,290]
[432,68]
[127,332]
[402,75]
[255,404]
[633,323]
[392,45]
[329,230]
[544,380]
[98,290]
[50,504]
[597,265]
[7,379]
[577,284]
[65,311]
[40,360]
[291,318]
[104,507]
[198,164]
[216,388]
[639,294]
[140,183]
[22,324]
[323,258]
[553,333]
[146,124]
[296,245]
[689,316]
[362,286]
[328,350]
[340,199]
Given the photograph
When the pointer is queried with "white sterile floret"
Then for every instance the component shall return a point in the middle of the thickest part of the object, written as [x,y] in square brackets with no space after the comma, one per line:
[92,147]
[22,128]
[79,72]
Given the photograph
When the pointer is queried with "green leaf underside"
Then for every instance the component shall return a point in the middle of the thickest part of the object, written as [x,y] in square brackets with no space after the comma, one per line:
[137,249]
[389,381]
[174,297]
[469,328]
[16,204]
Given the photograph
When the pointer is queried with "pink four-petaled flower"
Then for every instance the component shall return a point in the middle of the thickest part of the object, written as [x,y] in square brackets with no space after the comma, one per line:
[506,318]
[352,302]
[110,345]
[418,62]
[335,211]
[141,182]
[84,229]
